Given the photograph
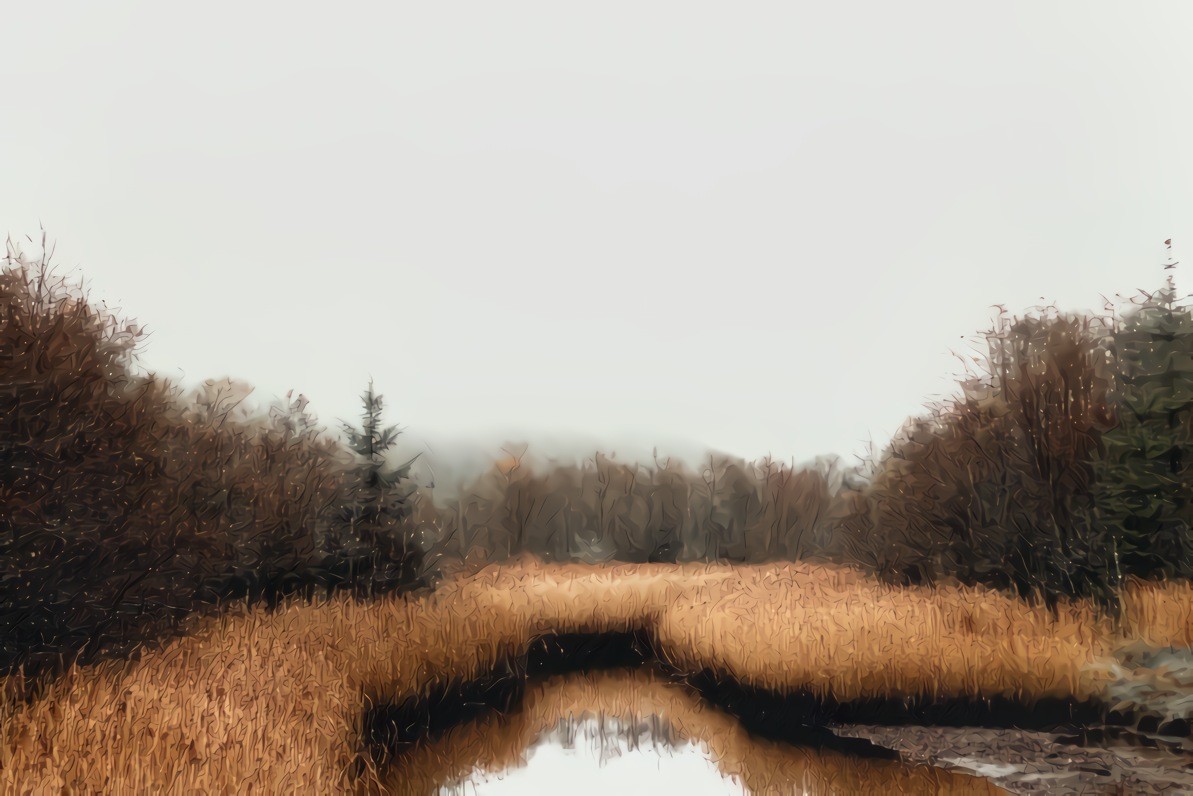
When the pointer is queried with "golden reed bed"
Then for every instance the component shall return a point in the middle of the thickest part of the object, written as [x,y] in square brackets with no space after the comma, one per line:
[272,702]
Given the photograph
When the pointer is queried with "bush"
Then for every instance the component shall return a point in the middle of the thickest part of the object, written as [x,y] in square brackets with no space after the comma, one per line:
[81,476]
[127,504]
[997,486]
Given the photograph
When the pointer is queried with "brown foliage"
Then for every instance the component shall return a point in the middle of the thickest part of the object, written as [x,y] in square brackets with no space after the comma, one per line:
[996,486]
[606,510]
[124,503]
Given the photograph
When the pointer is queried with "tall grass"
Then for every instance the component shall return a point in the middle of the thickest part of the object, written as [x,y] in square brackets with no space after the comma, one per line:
[129,504]
[129,509]
[255,701]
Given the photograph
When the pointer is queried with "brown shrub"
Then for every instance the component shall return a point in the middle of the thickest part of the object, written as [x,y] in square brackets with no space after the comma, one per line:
[125,504]
[997,486]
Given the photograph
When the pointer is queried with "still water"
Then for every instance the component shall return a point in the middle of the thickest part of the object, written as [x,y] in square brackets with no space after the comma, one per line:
[628,731]
[601,756]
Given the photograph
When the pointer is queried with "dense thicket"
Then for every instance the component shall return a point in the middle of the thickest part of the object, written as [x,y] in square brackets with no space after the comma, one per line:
[996,485]
[126,504]
[1061,469]
[1064,465]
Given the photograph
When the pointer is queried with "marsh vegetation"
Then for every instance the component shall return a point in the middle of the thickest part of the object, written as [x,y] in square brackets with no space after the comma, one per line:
[201,593]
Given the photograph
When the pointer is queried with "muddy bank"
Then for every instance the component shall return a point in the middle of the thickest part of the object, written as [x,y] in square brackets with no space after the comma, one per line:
[769,711]
[390,729]
[637,711]
[1033,762]
[1050,745]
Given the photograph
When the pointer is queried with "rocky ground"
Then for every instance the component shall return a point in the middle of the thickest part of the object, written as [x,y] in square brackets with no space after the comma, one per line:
[1147,748]
[1037,762]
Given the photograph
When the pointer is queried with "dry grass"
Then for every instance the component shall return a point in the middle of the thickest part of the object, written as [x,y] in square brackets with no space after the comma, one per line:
[271,702]
[1160,616]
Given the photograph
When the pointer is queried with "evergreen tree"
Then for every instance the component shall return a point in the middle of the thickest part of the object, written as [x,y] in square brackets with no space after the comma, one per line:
[377,552]
[1145,492]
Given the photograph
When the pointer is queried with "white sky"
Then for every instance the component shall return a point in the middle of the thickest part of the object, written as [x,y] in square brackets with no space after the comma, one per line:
[763,228]
[583,768]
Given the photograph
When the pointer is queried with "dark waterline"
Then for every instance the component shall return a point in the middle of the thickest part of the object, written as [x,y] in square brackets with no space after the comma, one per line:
[801,718]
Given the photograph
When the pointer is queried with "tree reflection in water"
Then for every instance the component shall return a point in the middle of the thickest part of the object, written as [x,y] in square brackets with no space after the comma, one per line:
[602,755]
[644,712]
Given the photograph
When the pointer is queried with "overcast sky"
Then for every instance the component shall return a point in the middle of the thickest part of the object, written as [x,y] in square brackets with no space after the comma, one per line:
[764,228]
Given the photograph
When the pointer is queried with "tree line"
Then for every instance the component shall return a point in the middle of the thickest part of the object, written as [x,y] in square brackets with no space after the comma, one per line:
[127,504]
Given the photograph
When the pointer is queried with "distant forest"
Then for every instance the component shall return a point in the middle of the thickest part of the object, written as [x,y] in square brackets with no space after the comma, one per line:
[1061,468]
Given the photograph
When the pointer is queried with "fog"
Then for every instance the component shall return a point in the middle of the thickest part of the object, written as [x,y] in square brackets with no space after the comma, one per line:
[684,225]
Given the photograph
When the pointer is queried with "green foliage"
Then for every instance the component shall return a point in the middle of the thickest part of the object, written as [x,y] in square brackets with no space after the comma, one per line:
[1145,492]
[374,546]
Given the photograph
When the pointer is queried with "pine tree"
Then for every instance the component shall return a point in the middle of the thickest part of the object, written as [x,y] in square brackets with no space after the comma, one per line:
[378,552]
[1145,492]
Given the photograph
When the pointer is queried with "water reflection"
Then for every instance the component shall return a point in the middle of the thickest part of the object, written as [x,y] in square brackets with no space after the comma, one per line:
[601,756]
[640,721]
